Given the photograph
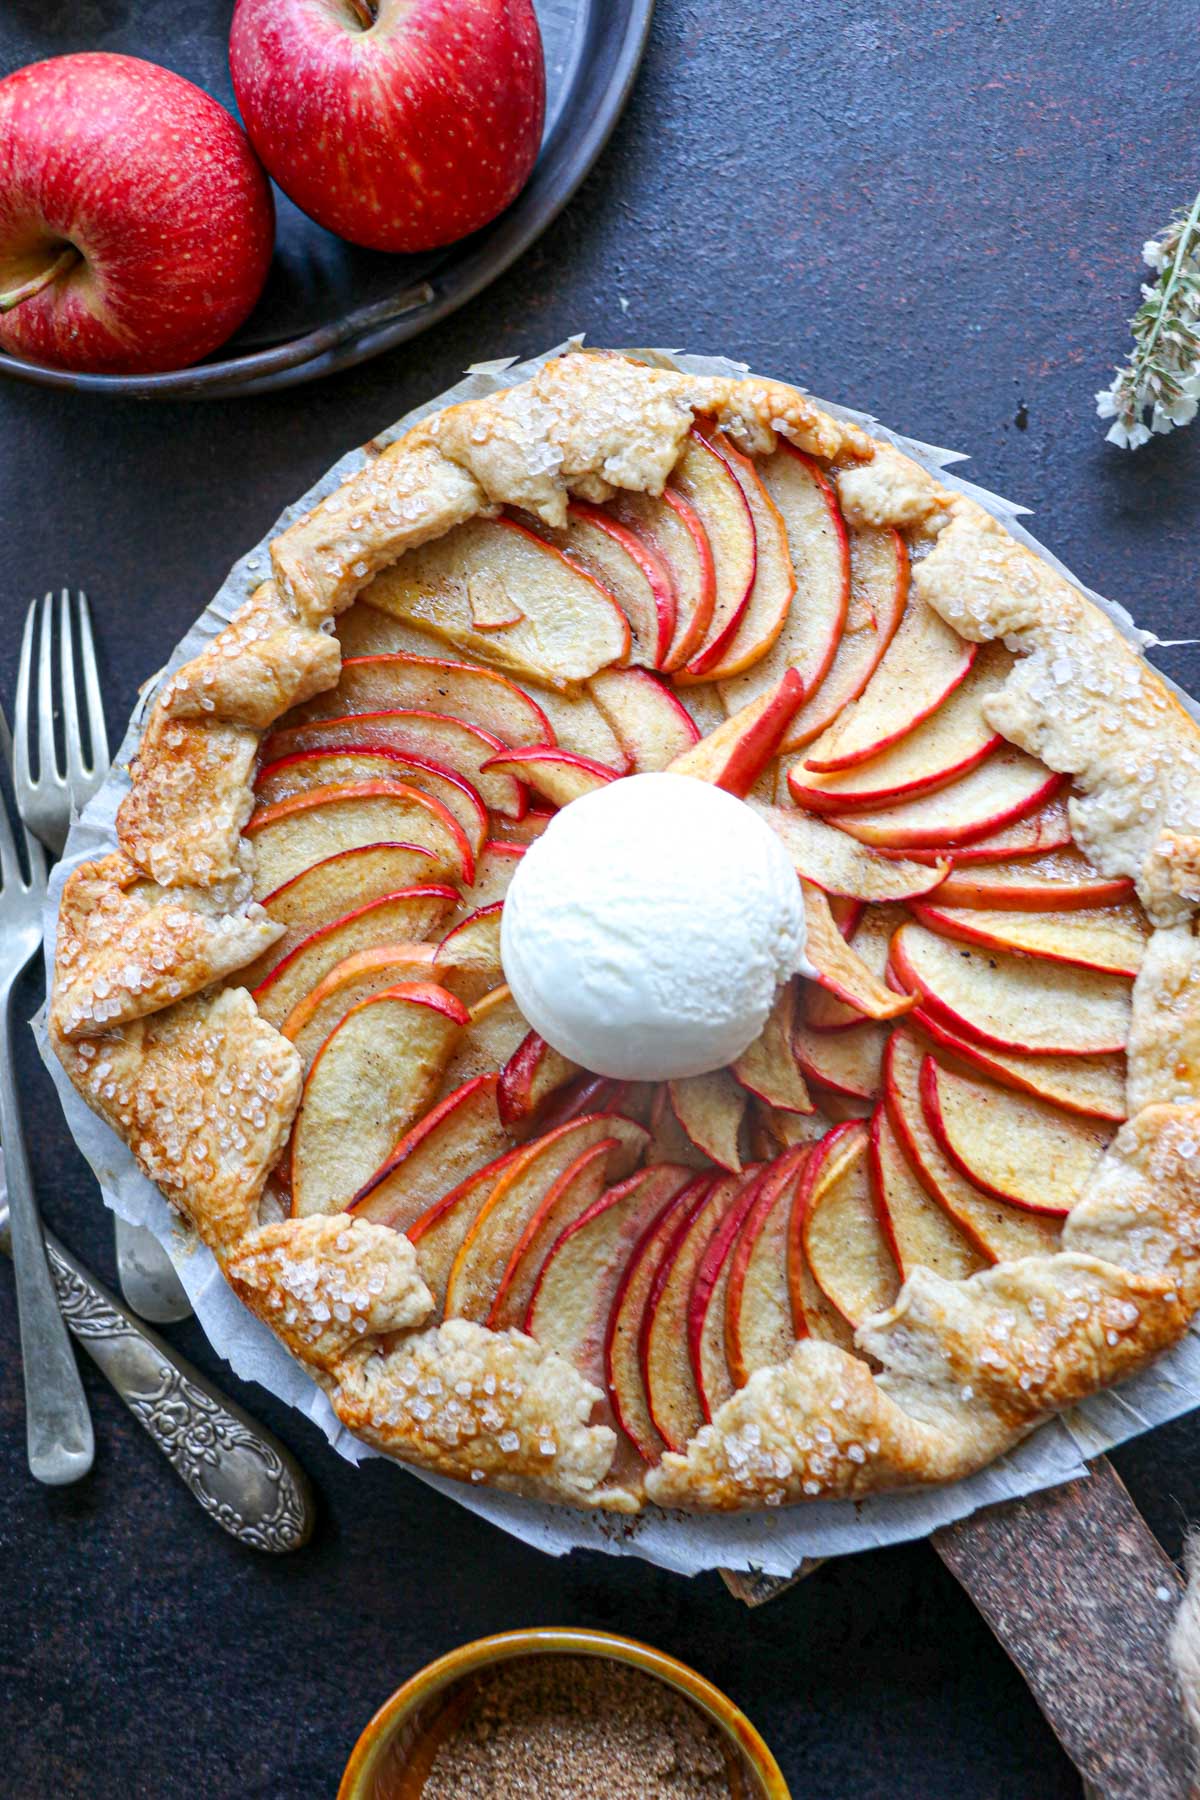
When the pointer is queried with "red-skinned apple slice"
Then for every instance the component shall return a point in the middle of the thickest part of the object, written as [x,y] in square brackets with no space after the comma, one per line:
[447,1146]
[871,940]
[628,569]
[771,1132]
[710,1109]
[1056,881]
[532,1073]
[879,574]
[997,793]
[671,1391]
[707,483]
[494,870]
[428,737]
[1046,829]
[496,1028]
[1017,1149]
[406,917]
[570,625]
[354,978]
[839,969]
[376,1072]
[774,583]
[567,1198]
[672,528]
[402,681]
[846,1062]
[485,1250]
[924,665]
[589,1094]
[954,740]
[845,1249]
[474,943]
[341,883]
[1007,1002]
[1112,939]
[1001,1233]
[759,1327]
[307,769]
[709,1294]
[438,1233]
[918,1231]
[826,857]
[820,555]
[1092,1085]
[310,827]
[527,830]
[769,1068]
[812,1313]
[669,1142]
[735,754]
[651,725]
[557,775]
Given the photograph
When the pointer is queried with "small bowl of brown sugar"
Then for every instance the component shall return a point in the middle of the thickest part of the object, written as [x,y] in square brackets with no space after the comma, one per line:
[560,1715]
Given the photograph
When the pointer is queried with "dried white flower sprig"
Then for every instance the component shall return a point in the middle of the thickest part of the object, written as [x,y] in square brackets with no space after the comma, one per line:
[1162,377]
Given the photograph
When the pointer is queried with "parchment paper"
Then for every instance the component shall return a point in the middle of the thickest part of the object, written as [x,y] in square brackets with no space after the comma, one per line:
[774,1542]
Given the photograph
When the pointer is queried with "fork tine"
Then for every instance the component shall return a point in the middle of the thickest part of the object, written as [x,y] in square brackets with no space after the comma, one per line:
[21,776]
[10,871]
[70,706]
[47,758]
[91,688]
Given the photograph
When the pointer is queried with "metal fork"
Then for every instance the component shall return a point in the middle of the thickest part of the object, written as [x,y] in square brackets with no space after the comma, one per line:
[45,804]
[57,1422]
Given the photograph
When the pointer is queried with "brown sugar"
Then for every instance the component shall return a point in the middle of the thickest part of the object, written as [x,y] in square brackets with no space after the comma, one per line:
[579,1728]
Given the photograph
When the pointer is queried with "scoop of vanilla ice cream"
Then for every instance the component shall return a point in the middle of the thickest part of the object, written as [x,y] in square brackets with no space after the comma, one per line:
[645,933]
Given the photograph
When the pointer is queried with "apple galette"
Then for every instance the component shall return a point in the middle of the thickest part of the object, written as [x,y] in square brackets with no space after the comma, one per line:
[953,1183]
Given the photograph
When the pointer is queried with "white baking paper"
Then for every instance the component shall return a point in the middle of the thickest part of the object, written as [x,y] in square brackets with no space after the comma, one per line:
[775,1542]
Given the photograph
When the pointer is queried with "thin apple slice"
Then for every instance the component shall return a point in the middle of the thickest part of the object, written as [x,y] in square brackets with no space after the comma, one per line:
[1033,834]
[354,978]
[774,582]
[924,665]
[375,1073]
[1112,939]
[524,831]
[532,1073]
[769,1068]
[1015,1148]
[998,792]
[759,1327]
[669,1142]
[871,939]
[1092,1085]
[427,738]
[710,1109]
[558,775]
[310,827]
[387,681]
[567,1198]
[843,1245]
[879,578]
[708,484]
[952,741]
[673,530]
[437,1234]
[1060,880]
[483,1255]
[704,708]
[626,567]
[341,883]
[771,1132]
[812,1313]
[1013,1002]
[496,1028]
[307,769]
[590,1094]
[407,917]
[495,868]
[572,1304]
[454,1139]
[846,1062]
[670,1382]
[736,753]
[839,969]
[825,856]
[919,1232]
[570,625]
[474,944]
[651,725]
[706,1308]
[1001,1233]
[820,554]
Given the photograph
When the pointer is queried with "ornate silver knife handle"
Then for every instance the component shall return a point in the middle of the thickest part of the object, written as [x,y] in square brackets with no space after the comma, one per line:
[241,1475]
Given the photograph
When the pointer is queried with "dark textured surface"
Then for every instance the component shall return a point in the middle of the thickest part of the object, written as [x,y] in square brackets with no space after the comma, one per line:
[933,212]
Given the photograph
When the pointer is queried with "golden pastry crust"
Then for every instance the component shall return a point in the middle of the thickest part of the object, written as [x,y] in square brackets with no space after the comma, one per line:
[204,1091]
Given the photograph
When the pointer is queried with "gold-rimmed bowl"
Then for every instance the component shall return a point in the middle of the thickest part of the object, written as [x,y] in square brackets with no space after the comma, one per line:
[392,1758]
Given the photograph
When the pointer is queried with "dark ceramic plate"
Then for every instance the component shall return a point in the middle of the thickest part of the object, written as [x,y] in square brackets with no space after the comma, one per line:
[327,304]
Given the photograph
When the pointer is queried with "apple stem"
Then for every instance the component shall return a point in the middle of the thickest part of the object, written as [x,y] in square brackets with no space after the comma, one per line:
[364,12]
[64,261]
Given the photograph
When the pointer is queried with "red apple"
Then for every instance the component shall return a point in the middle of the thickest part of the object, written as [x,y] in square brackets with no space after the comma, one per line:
[136,225]
[399,124]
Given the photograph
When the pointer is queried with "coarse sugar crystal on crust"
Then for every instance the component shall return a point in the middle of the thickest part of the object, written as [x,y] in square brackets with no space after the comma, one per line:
[204,1091]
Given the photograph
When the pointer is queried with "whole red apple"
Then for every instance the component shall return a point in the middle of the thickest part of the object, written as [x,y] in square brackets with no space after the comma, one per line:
[399,124]
[136,224]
